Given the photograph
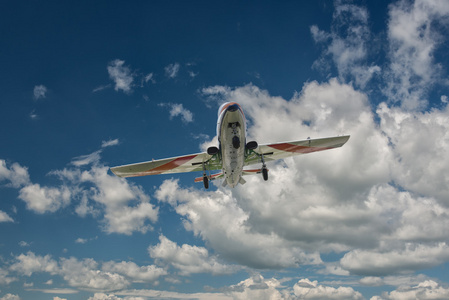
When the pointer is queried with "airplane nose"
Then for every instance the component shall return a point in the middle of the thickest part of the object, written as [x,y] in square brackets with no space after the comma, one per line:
[233,107]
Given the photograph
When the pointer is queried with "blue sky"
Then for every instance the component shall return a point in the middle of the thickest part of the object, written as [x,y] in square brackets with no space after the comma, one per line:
[87,86]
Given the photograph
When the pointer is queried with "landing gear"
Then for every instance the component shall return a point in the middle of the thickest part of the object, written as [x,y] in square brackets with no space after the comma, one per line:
[265,173]
[205,178]
[264,168]
[206,182]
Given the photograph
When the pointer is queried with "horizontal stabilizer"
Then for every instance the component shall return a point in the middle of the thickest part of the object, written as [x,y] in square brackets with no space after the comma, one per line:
[211,177]
[252,172]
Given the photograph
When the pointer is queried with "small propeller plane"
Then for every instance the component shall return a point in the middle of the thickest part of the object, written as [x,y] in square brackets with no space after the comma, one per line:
[232,154]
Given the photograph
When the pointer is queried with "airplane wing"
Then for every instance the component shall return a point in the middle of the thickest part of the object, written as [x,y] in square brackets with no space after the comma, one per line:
[286,149]
[179,164]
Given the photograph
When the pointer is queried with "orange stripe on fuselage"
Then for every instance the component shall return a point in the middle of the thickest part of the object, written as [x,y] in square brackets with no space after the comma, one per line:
[232,103]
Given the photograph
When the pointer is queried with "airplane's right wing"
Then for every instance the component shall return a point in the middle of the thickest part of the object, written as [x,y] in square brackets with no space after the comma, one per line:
[286,149]
[180,164]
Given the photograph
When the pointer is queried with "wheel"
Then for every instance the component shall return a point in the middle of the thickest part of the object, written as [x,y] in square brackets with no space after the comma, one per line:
[206,182]
[265,174]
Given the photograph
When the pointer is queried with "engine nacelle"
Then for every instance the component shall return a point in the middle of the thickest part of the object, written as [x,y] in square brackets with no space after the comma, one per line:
[212,150]
[251,145]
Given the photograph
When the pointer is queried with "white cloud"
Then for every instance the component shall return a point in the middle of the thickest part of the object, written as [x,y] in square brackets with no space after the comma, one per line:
[39,92]
[158,294]
[413,257]
[101,87]
[172,70]
[121,75]
[256,287]
[217,217]
[307,289]
[102,296]
[187,259]
[415,31]
[4,277]
[10,297]
[24,244]
[88,159]
[85,274]
[4,217]
[149,77]
[413,38]
[134,272]
[126,219]
[113,193]
[109,143]
[177,109]
[81,241]
[27,264]
[419,142]
[45,199]
[33,115]
[89,183]
[347,44]
[16,174]
[341,200]
[428,289]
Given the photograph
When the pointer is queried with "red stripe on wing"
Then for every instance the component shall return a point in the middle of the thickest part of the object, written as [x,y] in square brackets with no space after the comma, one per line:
[170,165]
[165,167]
[297,149]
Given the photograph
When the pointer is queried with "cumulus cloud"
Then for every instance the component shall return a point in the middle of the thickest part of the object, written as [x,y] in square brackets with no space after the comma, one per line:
[347,44]
[134,272]
[121,75]
[344,200]
[307,289]
[419,141]
[27,264]
[413,38]
[87,181]
[45,199]
[187,259]
[114,194]
[39,92]
[217,217]
[10,297]
[16,175]
[256,287]
[86,273]
[428,289]
[413,257]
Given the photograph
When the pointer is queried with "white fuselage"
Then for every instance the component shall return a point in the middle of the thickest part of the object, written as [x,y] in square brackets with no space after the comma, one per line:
[231,131]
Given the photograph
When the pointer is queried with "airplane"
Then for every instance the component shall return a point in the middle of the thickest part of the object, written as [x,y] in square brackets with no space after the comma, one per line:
[232,155]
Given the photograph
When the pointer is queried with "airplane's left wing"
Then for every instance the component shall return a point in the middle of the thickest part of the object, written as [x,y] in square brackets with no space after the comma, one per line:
[179,164]
[286,149]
